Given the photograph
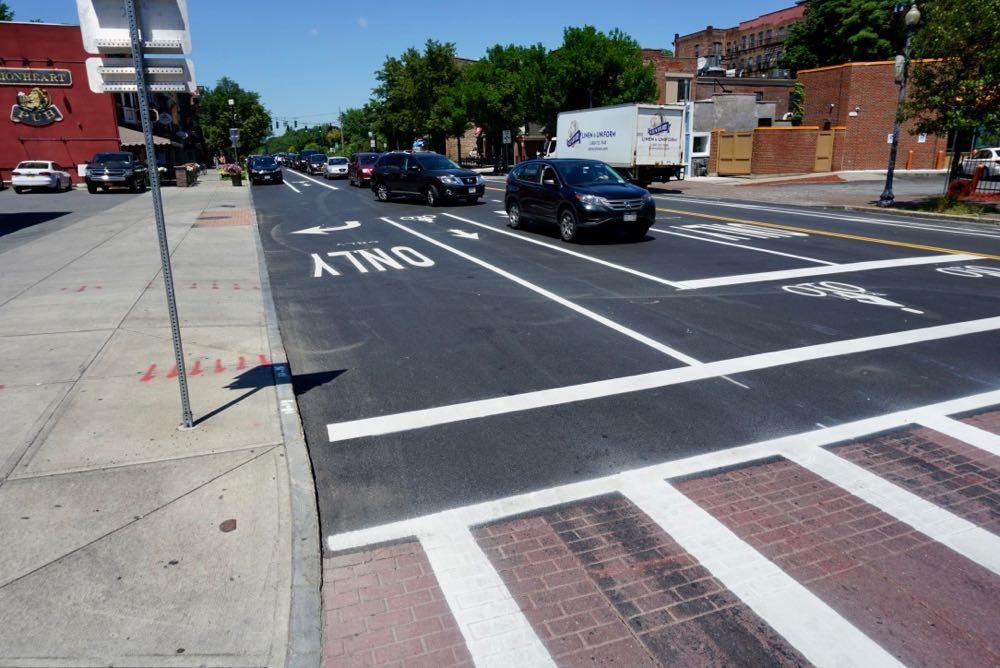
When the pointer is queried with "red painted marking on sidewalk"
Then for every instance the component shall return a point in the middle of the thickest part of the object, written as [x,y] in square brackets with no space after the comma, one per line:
[215,286]
[98,287]
[218,366]
[196,369]
[64,289]
[263,360]
[383,605]
[2,386]
[82,288]
[236,286]
[602,584]
[173,372]
[922,602]
[149,375]
[987,420]
[194,286]
[242,365]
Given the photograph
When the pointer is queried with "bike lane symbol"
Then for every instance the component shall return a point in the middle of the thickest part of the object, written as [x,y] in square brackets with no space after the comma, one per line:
[845,291]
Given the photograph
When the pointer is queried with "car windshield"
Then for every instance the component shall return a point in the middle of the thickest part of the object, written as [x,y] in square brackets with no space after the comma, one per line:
[337,161]
[316,157]
[586,173]
[265,162]
[368,159]
[33,165]
[436,162]
[106,158]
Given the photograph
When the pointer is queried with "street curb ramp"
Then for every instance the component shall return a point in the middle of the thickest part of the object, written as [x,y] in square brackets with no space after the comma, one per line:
[305,629]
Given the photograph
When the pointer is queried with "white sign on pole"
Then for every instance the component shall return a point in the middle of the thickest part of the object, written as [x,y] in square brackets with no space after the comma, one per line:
[922,138]
[888,138]
[234,134]
[506,136]
[163,75]
[105,29]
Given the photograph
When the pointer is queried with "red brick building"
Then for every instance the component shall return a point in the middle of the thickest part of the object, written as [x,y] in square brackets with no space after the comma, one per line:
[861,98]
[67,123]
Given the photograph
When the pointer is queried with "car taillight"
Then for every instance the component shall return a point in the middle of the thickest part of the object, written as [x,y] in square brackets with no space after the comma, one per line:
[366,170]
[16,173]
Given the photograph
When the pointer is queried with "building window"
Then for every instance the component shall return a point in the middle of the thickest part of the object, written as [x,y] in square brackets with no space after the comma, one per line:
[760,38]
[697,50]
[743,42]
[759,94]
[767,37]
[781,34]
[758,62]
[717,48]
[683,90]
[751,40]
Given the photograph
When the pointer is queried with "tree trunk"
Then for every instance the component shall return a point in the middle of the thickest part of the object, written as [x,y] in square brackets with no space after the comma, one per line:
[458,142]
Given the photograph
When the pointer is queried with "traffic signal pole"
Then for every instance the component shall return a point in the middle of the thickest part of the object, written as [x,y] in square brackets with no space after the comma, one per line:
[187,420]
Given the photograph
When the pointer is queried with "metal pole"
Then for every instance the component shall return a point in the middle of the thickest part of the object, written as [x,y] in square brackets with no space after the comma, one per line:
[886,199]
[161,228]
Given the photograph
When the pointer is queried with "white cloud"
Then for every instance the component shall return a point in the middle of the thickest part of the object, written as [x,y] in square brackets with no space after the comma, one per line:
[362,21]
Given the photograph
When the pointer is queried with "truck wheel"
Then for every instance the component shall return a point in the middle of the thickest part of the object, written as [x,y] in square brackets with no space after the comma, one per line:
[567,225]
[91,188]
[132,187]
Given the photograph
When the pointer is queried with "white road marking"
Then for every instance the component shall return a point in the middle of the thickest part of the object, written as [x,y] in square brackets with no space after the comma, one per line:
[429,417]
[857,219]
[319,183]
[753,248]
[567,251]
[348,225]
[641,338]
[291,186]
[462,234]
[961,535]
[735,382]
[498,201]
[974,436]
[495,630]
[491,511]
[499,212]
[783,274]
[847,292]
[798,615]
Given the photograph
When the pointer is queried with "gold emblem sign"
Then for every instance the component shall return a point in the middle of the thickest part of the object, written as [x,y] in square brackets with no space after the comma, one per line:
[35,108]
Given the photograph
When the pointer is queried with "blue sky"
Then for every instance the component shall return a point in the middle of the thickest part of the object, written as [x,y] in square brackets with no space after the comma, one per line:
[307,58]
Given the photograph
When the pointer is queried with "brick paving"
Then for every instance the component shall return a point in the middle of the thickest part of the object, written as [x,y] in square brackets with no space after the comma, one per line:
[987,420]
[383,607]
[223,218]
[958,477]
[603,585]
[924,603]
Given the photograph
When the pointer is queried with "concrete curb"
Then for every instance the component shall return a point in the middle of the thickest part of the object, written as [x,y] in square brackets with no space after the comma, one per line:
[985,220]
[305,628]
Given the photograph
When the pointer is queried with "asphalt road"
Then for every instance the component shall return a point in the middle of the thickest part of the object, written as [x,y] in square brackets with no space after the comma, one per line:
[441,359]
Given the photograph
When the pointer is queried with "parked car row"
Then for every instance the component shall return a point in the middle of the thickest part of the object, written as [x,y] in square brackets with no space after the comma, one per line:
[103,172]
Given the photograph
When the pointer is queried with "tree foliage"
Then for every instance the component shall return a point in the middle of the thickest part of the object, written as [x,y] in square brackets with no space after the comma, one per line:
[216,116]
[839,31]
[6,13]
[960,88]
[508,88]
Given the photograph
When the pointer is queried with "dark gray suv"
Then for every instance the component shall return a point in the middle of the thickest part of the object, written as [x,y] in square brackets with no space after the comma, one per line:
[430,176]
[119,170]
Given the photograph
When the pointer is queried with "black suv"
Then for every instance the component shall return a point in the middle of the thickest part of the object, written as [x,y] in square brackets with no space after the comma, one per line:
[429,175]
[116,169]
[264,169]
[575,195]
[315,164]
[302,164]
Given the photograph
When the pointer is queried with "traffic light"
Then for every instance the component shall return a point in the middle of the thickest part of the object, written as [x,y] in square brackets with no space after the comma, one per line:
[296,124]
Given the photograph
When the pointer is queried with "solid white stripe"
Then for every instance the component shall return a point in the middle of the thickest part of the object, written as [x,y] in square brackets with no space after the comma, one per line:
[489,511]
[603,388]
[979,438]
[964,537]
[641,338]
[753,248]
[760,277]
[291,186]
[567,251]
[798,615]
[495,630]
[318,182]
[857,219]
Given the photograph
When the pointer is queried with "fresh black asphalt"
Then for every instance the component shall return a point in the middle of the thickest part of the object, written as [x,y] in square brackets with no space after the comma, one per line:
[378,342]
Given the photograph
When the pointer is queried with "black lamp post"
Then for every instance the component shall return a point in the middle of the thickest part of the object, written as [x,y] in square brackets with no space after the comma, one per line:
[911,19]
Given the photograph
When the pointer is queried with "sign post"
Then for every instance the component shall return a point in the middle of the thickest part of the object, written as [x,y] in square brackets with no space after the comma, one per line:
[234,137]
[97,42]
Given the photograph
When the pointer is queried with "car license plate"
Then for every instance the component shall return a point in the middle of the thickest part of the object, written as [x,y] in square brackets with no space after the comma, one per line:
[267,177]
[631,217]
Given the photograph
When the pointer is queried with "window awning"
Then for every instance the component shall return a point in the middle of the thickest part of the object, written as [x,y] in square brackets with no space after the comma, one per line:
[130,137]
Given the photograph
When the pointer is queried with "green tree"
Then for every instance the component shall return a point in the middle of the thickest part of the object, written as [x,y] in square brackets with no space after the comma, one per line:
[356,123]
[247,113]
[955,79]
[6,13]
[839,31]
[593,69]
[797,102]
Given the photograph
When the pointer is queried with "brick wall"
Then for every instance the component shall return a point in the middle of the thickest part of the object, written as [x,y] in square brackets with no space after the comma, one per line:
[468,143]
[784,150]
[870,89]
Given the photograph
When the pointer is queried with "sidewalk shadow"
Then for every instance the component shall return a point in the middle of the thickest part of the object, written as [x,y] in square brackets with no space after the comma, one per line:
[12,222]
[266,375]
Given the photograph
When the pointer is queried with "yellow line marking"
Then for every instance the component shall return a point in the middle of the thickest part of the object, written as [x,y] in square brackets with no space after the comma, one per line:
[840,235]
[499,190]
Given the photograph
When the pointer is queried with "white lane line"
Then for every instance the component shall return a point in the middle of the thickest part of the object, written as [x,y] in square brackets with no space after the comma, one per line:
[641,338]
[495,630]
[961,535]
[498,201]
[760,277]
[291,186]
[318,182]
[974,436]
[802,618]
[730,243]
[429,417]
[567,251]
[490,511]
[815,214]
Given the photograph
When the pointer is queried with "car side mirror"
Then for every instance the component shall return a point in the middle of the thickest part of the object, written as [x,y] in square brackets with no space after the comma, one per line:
[414,168]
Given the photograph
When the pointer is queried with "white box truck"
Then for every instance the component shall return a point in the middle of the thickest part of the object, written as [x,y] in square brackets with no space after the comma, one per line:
[645,142]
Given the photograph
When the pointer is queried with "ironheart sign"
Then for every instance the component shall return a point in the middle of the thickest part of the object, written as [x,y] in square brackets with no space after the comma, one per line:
[23,76]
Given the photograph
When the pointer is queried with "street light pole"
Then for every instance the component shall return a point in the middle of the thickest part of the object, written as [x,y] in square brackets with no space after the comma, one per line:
[911,19]
[232,108]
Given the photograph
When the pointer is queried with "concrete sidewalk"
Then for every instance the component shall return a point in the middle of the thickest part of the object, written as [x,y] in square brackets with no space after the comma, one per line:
[126,541]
